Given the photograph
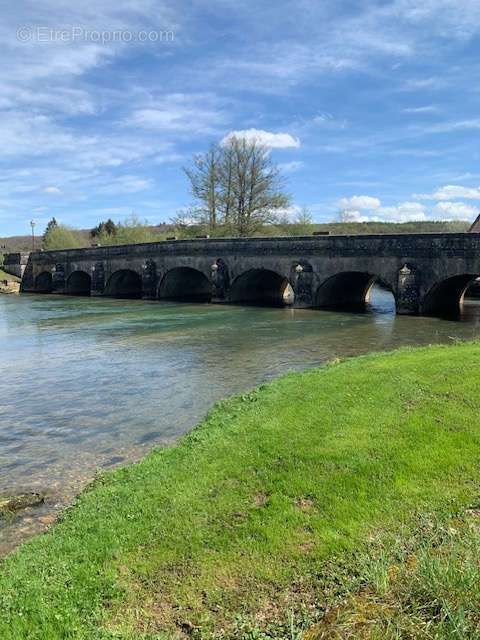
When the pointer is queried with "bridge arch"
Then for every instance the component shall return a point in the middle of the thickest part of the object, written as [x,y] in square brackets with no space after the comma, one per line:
[262,287]
[44,282]
[446,297]
[124,283]
[79,283]
[185,284]
[347,289]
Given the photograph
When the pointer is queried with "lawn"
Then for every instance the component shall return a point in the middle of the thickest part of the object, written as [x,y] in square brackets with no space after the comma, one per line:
[339,502]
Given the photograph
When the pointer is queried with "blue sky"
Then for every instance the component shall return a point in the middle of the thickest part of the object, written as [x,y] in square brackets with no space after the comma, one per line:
[370,107]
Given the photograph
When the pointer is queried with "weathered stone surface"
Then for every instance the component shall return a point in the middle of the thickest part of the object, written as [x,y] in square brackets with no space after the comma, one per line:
[427,273]
[15,263]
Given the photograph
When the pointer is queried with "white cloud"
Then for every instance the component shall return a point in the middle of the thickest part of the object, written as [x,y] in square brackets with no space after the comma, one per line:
[452,19]
[416,153]
[127,184]
[414,84]
[321,118]
[323,41]
[465,176]
[426,109]
[403,212]
[450,192]
[200,113]
[455,211]
[289,212]
[448,126]
[169,157]
[364,203]
[350,215]
[25,134]
[52,190]
[291,167]
[283,66]
[328,121]
[266,138]
[51,98]
[368,208]
[456,125]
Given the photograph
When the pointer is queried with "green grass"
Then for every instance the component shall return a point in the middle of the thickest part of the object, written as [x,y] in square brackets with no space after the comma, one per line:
[8,276]
[342,500]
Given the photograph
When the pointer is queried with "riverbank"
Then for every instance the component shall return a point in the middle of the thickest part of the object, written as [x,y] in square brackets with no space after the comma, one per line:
[342,498]
[9,283]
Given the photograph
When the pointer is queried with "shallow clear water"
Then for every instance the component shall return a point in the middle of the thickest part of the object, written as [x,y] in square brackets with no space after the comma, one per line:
[89,383]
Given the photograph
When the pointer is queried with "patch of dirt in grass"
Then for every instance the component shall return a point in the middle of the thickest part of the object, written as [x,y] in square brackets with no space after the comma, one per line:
[305,503]
[260,499]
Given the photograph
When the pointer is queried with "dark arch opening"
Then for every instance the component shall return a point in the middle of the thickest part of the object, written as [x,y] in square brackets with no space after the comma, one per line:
[185,284]
[446,297]
[43,282]
[349,290]
[262,287]
[79,283]
[124,283]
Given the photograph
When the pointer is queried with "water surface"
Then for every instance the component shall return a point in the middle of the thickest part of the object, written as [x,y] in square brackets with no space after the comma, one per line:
[92,383]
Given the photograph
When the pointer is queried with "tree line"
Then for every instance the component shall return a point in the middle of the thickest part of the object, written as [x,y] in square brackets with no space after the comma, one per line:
[131,231]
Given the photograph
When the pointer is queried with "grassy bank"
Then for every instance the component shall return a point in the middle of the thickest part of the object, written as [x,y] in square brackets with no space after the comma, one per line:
[6,276]
[339,502]
[13,283]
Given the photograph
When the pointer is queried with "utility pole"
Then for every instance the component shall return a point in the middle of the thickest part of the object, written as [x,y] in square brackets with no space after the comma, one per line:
[32,224]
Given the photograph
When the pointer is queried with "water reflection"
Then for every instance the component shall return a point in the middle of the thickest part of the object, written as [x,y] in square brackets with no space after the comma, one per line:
[92,383]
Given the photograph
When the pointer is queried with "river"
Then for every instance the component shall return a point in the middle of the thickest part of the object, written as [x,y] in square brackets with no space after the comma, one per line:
[94,383]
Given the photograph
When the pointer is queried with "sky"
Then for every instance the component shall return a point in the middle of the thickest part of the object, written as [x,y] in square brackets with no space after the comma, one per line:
[369,108]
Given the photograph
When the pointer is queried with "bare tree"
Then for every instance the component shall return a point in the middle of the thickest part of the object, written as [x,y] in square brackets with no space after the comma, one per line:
[257,186]
[304,217]
[347,216]
[236,185]
[204,181]
[226,179]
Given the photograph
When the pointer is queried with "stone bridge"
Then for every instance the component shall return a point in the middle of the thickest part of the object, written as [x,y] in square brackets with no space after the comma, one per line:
[426,273]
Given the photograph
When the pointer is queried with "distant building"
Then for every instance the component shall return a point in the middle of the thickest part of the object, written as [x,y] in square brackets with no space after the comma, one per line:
[475,228]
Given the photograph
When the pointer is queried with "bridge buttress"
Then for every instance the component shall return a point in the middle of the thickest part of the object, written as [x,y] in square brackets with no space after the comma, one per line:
[302,281]
[407,294]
